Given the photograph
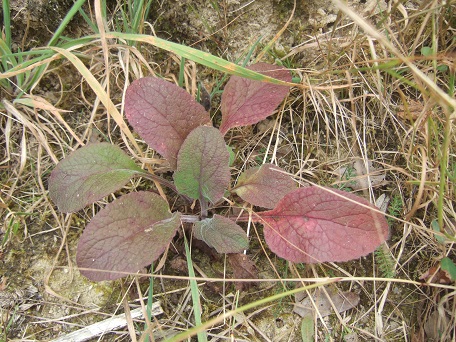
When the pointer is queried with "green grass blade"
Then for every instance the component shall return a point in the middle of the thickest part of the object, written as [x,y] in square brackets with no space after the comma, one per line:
[138,15]
[198,56]
[43,57]
[7,22]
[89,22]
[181,72]
[28,65]
[21,78]
[68,17]
[32,75]
[150,295]
[191,332]
[202,336]
[7,61]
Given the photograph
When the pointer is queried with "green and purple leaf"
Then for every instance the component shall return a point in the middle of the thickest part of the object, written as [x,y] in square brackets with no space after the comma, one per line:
[163,114]
[89,174]
[314,225]
[203,165]
[264,186]
[246,102]
[222,234]
[125,236]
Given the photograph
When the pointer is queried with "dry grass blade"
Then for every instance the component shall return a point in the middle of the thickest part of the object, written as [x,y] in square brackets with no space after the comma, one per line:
[101,93]
[38,103]
[36,131]
[448,103]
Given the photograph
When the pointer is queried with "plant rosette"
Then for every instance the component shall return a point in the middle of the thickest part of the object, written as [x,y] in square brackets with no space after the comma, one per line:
[310,224]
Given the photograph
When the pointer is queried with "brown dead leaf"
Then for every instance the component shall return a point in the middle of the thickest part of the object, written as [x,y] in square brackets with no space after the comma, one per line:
[351,337]
[3,284]
[357,175]
[342,301]
[417,338]
[410,111]
[435,325]
[243,268]
[437,276]
[179,264]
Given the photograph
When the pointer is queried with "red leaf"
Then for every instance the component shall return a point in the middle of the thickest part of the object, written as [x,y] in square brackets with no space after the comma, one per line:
[203,165]
[264,187]
[245,102]
[163,114]
[127,235]
[315,225]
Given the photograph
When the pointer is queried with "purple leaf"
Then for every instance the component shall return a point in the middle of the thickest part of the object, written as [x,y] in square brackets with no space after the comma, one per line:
[89,174]
[313,225]
[125,236]
[264,187]
[222,234]
[163,114]
[203,165]
[245,102]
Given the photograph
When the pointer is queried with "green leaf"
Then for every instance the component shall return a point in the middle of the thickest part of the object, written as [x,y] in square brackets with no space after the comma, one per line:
[307,329]
[442,68]
[222,234]
[232,154]
[436,228]
[203,165]
[426,51]
[125,236]
[89,174]
[448,265]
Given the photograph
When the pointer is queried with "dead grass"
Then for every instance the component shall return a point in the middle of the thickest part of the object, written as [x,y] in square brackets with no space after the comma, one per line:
[368,98]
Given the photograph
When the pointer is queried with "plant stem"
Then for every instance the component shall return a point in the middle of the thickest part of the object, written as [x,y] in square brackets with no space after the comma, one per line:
[242,218]
[164,182]
[159,179]
[203,206]
[190,218]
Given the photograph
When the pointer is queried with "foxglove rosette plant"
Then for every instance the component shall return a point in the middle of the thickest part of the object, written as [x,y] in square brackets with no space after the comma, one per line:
[310,224]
